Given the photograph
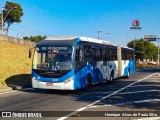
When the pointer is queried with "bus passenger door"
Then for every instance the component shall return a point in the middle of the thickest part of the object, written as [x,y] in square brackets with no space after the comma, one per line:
[79,65]
[99,68]
[95,67]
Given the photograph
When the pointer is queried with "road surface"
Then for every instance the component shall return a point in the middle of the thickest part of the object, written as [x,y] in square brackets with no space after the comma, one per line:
[141,92]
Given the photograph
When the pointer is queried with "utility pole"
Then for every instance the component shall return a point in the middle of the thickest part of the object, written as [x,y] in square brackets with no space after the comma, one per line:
[2,21]
[126,38]
[98,32]
[135,47]
[158,52]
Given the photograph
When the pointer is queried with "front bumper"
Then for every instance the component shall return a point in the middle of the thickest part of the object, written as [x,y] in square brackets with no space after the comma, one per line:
[58,86]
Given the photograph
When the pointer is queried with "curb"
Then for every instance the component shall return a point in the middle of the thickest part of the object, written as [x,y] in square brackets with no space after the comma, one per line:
[5,89]
[14,87]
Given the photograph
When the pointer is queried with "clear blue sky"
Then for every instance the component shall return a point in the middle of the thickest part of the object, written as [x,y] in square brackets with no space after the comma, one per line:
[84,17]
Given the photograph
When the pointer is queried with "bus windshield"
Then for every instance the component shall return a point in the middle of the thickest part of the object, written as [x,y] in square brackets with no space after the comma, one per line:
[53,58]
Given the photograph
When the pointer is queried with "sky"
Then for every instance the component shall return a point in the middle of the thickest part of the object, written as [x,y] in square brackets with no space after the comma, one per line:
[86,17]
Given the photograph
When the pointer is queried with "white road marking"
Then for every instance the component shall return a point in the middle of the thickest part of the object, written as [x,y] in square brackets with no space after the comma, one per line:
[83,108]
[150,85]
[65,117]
[125,103]
[153,79]
[137,92]
[120,90]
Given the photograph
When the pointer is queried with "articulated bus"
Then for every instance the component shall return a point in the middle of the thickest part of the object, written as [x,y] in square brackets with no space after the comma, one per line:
[70,63]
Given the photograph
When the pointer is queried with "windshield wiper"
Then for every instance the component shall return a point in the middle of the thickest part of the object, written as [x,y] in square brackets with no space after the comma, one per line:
[45,64]
[50,66]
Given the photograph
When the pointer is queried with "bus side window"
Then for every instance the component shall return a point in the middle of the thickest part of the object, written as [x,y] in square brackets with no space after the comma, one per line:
[79,54]
[87,53]
[94,54]
[114,54]
[123,54]
[109,56]
[104,56]
[100,53]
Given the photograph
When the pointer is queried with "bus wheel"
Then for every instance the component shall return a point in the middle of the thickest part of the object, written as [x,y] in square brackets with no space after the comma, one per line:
[111,77]
[128,74]
[88,82]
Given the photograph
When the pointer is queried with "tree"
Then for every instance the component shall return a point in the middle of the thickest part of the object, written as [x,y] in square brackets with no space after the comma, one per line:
[12,13]
[144,49]
[35,38]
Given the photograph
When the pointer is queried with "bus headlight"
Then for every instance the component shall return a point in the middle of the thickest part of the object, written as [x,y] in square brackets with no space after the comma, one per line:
[34,79]
[69,79]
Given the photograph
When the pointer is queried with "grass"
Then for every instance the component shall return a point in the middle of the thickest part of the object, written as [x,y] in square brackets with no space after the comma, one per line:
[14,61]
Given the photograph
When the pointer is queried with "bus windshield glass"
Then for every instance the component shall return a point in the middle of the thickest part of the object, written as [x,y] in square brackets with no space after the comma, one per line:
[53,58]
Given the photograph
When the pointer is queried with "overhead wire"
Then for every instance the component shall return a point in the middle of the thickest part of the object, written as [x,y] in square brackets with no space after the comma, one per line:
[116,34]
[20,31]
[27,31]
[33,30]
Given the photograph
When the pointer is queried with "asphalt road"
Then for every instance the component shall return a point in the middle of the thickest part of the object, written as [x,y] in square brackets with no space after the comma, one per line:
[141,92]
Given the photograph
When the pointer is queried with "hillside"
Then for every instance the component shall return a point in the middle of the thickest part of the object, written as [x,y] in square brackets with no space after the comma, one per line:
[15,66]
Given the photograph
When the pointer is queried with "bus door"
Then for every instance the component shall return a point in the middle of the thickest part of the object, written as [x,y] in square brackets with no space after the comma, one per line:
[105,62]
[80,64]
[100,71]
[95,67]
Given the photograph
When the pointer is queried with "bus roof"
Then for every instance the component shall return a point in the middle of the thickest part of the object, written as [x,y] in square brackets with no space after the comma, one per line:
[71,40]
[127,47]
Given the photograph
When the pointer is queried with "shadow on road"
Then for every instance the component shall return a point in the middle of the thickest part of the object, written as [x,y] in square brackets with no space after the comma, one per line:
[19,81]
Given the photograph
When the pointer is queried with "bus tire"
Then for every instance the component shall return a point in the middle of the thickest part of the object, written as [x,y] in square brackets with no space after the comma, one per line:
[88,82]
[111,77]
[128,74]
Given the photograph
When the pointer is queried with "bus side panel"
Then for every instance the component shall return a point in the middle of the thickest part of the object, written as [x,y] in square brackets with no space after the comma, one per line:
[128,65]
[115,68]
[80,76]
[90,69]
[132,66]
[100,71]
[112,66]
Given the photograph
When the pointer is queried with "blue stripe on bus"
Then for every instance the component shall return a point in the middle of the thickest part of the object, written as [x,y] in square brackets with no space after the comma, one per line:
[131,65]
[80,77]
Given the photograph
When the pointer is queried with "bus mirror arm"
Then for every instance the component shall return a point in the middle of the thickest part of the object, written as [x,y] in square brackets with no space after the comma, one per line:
[30,52]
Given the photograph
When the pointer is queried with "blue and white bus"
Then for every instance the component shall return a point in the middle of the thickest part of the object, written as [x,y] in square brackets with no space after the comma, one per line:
[70,63]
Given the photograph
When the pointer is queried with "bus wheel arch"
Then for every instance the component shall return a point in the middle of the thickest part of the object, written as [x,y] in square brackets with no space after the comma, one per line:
[111,77]
[88,81]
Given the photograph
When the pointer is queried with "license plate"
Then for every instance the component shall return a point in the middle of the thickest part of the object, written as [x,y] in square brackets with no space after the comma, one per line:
[49,84]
